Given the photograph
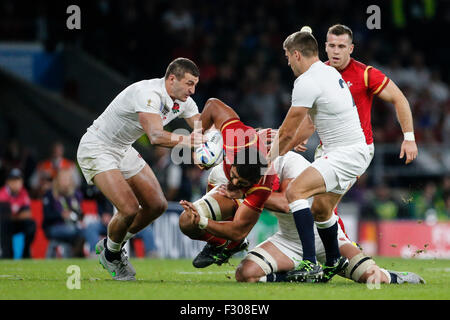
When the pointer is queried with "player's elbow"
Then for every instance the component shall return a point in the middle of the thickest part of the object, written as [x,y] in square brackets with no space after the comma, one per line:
[284,208]
[238,234]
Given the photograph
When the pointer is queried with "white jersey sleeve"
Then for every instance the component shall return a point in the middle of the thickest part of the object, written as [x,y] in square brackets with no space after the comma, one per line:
[190,110]
[305,92]
[146,101]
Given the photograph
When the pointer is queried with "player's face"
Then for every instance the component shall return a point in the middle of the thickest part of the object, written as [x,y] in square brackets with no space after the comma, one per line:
[183,88]
[338,49]
[293,62]
[237,181]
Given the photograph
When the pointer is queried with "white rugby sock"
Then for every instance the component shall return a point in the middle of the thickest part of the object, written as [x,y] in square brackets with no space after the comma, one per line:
[298,205]
[326,224]
[112,246]
[128,236]
[263,279]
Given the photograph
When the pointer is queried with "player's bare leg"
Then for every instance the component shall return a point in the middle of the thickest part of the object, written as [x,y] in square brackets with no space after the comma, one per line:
[150,197]
[256,268]
[114,186]
[363,269]
[217,250]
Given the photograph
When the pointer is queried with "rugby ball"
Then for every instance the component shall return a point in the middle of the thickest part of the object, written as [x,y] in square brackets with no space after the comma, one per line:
[209,154]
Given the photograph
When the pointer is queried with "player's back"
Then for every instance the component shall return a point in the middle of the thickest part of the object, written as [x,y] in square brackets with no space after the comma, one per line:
[333,111]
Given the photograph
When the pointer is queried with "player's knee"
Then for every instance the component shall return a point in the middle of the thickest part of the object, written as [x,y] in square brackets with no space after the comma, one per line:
[248,271]
[129,210]
[319,211]
[161,206]
[242,274]
[293,194]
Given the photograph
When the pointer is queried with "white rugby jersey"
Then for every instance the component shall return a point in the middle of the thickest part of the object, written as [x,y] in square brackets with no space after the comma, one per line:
[322,89]
[119,124]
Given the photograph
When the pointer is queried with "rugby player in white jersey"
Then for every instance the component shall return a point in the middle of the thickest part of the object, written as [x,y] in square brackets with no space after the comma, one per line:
[270,260]
[108,160]
[320,92]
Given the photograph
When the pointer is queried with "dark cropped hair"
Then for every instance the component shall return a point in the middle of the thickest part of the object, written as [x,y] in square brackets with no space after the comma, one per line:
[250,164]
[180,66]
[340,29]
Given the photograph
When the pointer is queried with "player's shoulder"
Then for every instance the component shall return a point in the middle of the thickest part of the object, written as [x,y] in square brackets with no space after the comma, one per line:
[190,102]
[358,65]
[150,85]
[144,90]
[305,79]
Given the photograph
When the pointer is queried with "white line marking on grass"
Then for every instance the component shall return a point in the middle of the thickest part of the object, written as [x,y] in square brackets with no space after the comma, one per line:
[204,272]
[438,269]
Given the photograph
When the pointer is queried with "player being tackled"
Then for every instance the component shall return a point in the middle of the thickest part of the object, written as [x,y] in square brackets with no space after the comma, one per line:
[224,216]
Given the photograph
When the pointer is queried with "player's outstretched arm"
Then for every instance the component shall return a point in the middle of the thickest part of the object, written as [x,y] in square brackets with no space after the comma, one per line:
[288,136]
[277,200]
[153,127]
[395,96]
[216,113]
[235,230]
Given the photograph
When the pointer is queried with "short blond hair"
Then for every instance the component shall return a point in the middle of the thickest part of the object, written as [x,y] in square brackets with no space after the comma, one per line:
[304,42]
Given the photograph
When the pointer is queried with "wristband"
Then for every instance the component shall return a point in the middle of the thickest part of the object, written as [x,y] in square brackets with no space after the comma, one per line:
[409,136]
[203,223]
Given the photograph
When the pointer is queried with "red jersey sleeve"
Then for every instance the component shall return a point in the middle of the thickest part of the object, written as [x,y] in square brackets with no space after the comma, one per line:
[256,196]
[375,80]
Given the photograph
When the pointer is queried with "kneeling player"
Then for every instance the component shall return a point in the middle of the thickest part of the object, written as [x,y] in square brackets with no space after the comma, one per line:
[272,260]
[219,220]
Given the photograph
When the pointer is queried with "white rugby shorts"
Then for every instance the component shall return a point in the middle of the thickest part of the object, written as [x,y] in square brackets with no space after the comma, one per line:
[340,167]
[94,157]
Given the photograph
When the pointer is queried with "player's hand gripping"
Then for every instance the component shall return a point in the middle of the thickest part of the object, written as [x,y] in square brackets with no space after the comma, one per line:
[408,148]
[228,193]
[191,211]
[197,138]
[302,146]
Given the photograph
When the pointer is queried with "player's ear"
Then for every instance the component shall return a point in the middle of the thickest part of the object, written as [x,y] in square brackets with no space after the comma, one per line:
[352,46]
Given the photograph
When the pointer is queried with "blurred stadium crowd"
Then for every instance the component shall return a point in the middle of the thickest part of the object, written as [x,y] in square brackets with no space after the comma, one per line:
[238,48]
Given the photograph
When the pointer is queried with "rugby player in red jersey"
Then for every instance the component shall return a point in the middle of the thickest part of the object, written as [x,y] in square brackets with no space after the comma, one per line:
[216,218]
[364,83]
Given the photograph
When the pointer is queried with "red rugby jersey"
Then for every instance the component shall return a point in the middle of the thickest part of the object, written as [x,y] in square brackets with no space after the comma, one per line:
[236,136]
[364,82]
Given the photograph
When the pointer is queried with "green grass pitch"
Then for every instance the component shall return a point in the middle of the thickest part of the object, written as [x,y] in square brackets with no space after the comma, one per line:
[159,279]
